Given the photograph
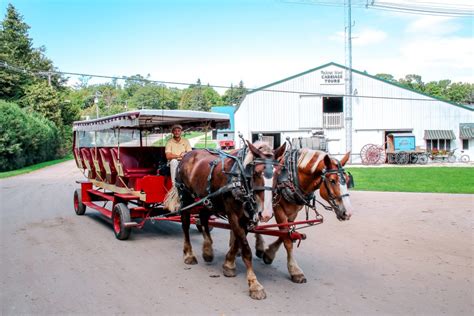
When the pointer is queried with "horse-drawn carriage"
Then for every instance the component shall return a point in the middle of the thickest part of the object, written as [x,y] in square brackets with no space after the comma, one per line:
[123,159]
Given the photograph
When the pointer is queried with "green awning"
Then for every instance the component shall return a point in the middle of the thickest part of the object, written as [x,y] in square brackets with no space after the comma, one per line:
[439,134]
[466,130]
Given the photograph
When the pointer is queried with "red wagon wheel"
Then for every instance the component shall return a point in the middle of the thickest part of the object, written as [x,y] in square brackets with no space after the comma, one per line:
[79,208]
[364,152]
[120,216]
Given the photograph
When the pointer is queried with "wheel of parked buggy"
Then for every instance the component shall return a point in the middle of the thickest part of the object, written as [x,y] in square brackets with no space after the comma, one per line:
[363,153]
[465,158]
[79,207]
[413,158]
[392,158]
[120,216]
[452,158]
[402,158]
[422,159]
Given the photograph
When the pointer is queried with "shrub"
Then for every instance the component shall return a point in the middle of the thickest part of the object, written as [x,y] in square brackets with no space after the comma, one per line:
[25,138]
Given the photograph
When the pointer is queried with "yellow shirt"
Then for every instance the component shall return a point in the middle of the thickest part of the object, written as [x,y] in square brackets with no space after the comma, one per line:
[177,148]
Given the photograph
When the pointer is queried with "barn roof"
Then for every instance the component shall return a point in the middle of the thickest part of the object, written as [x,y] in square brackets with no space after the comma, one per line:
[363,73]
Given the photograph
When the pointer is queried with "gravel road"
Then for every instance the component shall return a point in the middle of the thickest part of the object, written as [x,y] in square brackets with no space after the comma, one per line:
[400,254]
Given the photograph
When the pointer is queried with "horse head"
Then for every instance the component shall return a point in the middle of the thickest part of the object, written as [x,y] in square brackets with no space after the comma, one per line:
[263,166]
[335,184]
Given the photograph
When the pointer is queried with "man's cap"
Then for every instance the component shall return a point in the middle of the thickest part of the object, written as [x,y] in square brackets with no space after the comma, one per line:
[176,126]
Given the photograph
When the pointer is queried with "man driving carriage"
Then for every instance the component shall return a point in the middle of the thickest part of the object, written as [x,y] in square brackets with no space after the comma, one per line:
[175,149]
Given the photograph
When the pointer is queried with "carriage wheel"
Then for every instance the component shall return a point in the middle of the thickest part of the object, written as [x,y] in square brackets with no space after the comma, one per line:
[363,153]
[120,216]
[422,159]
[464,158]
[79,208]
[402,158]
[414,158]
[392,158]
[382,155]
[452,158]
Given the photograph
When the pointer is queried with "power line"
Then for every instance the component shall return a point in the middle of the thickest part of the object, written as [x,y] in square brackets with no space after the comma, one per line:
[300,93]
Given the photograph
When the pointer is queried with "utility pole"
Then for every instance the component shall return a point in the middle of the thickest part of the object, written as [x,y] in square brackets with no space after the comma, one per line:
[96,102]
[348,79]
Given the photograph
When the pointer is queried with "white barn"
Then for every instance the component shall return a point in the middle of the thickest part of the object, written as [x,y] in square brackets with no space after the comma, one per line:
[313,100]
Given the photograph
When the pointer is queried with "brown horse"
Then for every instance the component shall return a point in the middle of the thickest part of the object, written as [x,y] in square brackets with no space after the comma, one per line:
[235,187]
[307,171]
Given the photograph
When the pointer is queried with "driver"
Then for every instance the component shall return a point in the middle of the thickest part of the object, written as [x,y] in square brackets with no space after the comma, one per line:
[175,149]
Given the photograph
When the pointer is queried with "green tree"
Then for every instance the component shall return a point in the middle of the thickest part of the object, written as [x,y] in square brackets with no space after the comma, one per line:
[387,77]
[413,82]
[45,100]
[234,95]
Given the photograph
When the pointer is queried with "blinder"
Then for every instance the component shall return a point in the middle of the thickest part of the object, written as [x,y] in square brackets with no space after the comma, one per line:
[267,172]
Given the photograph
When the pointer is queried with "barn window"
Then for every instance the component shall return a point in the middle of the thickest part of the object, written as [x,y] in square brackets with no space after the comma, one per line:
[439,139]
[465,144]
[332,105]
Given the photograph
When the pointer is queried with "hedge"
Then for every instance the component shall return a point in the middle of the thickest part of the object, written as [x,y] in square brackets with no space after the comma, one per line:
[25,138]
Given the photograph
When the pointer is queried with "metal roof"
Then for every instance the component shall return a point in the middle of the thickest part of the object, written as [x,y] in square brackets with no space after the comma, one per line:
[466,130]
[439,134]
[163,119]
[401,134]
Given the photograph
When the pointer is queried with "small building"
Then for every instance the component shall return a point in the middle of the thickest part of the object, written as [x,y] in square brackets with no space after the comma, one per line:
[225,137]
[315,100]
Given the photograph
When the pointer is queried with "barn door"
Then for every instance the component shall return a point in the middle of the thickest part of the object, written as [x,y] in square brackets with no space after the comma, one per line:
[310,112]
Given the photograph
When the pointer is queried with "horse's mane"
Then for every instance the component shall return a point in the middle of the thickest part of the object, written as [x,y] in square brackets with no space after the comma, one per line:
[307,156]
[264,147]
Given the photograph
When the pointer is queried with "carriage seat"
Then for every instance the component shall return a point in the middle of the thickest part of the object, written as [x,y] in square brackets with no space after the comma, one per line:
[130,164]
[78,158]
[87,158]
[98,165]
[109,166]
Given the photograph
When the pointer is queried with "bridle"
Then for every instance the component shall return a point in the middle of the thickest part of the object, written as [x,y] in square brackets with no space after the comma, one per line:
[342,181]
[268,172]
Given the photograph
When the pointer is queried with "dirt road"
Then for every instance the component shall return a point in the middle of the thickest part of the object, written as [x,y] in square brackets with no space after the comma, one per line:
[400,254]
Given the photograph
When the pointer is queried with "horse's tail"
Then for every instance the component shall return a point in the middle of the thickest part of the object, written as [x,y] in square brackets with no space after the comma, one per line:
[172,201]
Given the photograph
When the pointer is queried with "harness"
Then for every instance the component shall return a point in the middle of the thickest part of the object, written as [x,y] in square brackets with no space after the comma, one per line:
[239,182]
[289,187]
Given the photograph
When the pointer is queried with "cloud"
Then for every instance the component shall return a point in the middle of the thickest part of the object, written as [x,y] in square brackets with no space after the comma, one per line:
[434,25]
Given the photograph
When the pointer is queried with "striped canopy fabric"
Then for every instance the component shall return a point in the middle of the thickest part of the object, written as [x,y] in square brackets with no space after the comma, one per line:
[439,134]
[466,130]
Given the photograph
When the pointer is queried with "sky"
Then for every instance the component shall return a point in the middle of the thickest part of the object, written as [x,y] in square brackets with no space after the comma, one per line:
[259,42]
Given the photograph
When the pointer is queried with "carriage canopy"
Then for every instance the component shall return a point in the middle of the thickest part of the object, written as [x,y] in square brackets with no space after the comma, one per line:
[153,119]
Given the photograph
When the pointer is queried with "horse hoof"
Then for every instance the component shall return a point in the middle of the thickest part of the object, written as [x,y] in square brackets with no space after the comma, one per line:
[267,259]
[258,294]
[259,253]
[299,278]
[190,260]
[208,257]
[228,272]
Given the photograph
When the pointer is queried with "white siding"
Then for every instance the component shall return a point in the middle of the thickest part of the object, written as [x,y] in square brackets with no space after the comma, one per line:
[377,107]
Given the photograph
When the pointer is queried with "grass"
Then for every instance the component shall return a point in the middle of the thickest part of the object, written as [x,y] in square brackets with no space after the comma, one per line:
[31,168]
[426,179]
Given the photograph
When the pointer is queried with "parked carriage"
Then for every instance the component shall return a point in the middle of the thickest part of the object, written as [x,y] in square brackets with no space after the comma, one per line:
[399,148]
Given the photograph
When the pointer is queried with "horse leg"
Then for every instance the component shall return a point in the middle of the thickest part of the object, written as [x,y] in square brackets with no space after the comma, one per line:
[256,290]
[229,263]
[189,257]
[294,270]
[259,245]
[296,274]
[270,252]
[207,251]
